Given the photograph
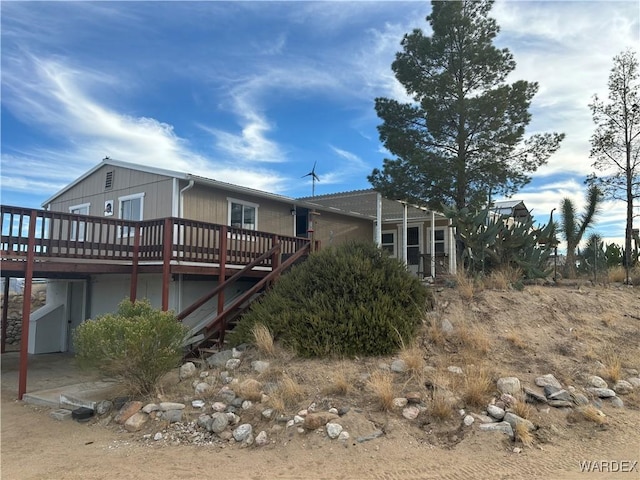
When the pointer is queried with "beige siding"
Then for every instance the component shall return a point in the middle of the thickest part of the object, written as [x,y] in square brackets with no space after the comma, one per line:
[212,205]
[334,229]
[157,189]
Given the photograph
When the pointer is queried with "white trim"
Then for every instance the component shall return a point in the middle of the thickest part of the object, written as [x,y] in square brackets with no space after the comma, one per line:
[124,199]
[394,244]
[78,207]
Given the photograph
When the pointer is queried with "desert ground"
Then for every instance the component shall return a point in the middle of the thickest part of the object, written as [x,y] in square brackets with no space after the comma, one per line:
[571,332]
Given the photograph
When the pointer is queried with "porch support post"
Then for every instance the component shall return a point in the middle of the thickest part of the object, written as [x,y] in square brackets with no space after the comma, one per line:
[26,306]
[453,255]
[404,232]
[222,278]
[133,290]
[5,312]
[378,230]
[167,248]
[432,241]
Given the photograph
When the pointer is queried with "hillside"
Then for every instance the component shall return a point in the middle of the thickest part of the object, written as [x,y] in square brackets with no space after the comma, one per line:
[572,333]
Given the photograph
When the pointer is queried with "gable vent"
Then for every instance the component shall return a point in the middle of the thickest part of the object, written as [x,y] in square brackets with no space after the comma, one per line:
[108,181]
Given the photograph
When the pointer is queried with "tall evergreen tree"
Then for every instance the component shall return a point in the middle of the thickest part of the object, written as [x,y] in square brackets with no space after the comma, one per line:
[462,139]
[615,145]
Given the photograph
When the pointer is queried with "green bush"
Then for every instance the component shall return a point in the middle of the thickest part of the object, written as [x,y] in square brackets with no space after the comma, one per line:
[347,300]
[137,345]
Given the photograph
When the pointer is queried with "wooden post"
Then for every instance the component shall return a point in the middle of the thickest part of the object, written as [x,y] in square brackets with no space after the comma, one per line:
[5,312]
[222,278]
[26,306]
[133,291]
[167,248]
[277,256]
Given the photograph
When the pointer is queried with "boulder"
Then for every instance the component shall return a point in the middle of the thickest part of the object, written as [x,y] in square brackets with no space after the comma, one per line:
[510,385]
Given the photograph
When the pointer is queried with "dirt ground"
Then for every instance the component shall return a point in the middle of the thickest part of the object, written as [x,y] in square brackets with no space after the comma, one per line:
[563,331]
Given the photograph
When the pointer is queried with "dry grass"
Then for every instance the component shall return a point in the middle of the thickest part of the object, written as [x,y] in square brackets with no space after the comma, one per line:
[466,285]
[434,333]
[609,319]
[471,338]
[516,340]
[339,382]
[503,279]
[277,403]
[263,340]
[290,391]
[249,390]
[381,384]
[591,414]
[616,274]
[413,357]
[523,435]
[522,409]
[612,369]
[441,407]
[477,387]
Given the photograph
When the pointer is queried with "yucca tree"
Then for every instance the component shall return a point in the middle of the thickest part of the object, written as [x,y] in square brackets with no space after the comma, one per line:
[573,226]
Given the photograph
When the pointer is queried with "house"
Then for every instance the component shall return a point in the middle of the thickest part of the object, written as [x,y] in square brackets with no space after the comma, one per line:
[198,246]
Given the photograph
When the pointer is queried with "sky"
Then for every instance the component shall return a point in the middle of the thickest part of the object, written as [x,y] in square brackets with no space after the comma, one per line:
[255,93]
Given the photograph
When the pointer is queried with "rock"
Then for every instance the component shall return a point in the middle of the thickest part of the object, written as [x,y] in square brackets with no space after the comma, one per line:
[104,407]
[560,403]
[534,395]
[483,418]
[261,439]
[617,402]
[219,406]
[601,392]
[414,397]
[550,390]
[456,370]
[622,387]
[136,421]
[267,413]
[513,420]
[634,381]
[167,406]
[298,419]
[446,326]
[172,416]
[344,436]
[202,388]
[400,402]
[508,399]
[597,382]
[562,395]
[151,407]
[495,412]
[548,380]
[204,421]
[232,363]
[580,399]
[318,420]
[343,410]
[411,412]
[158,436]
[371,436]
[233,418]
[242,432]
[197,403]
[504,427]
[187,370]
[219,422]
[60,414]
[333,429]
[236,352]
[468,420]
[219,360]
[260,366]
[226,395]
[510,385]
[246,405]
[398,366]
[334,410]
[127,411]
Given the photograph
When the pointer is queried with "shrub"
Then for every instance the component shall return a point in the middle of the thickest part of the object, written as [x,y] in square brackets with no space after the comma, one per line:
[137,345]
[347,300]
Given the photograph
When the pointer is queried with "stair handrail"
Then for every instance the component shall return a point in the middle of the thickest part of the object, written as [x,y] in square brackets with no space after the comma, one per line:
[225,283]
[243,298]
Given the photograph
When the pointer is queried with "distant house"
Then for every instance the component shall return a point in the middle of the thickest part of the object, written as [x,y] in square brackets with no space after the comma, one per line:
[514,210]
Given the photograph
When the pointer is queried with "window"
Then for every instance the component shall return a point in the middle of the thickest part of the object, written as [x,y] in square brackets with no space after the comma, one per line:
[131,208]
[78,227]
[439,241]
[413,245]
[389,243]
[243,214]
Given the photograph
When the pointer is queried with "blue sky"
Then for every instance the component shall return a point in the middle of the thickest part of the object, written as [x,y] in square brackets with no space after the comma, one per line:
[254,93]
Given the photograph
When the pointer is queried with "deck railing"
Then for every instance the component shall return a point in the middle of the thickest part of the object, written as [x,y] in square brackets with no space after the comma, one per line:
[61,235]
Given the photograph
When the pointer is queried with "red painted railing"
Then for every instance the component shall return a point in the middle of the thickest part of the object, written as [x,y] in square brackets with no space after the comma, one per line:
[71,236]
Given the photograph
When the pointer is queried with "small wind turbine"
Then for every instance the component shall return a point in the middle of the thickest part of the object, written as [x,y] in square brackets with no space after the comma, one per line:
[314,179]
